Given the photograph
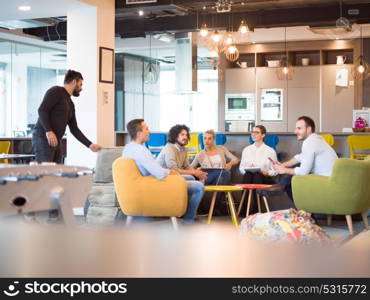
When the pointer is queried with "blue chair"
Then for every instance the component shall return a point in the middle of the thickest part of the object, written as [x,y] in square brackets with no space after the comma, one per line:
[271,140]
[156,143]
[220,140]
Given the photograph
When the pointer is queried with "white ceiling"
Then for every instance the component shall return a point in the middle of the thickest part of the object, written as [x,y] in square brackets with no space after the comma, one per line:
[39,8]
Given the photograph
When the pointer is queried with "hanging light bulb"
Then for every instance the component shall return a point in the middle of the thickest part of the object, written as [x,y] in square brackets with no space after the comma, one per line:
[213,53]
[231,49]
[232,53]
[204,30]
[243,28]
[285,71]
[229,39]
[361,69]
[216,37]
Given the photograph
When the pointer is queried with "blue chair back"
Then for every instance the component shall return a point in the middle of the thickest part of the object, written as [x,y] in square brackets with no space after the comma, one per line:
[221,139]
[271,140]
[156,143]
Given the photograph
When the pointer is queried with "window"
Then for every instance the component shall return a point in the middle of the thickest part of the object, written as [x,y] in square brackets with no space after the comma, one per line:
[159,103]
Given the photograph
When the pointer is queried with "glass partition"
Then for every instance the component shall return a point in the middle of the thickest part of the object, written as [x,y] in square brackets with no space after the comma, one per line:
[26,73]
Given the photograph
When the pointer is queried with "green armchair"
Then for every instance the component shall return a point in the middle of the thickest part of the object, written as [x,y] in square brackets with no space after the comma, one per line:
[345,192]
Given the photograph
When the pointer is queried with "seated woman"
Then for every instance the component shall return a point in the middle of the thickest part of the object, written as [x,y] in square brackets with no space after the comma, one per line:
[258,155]
[215,157]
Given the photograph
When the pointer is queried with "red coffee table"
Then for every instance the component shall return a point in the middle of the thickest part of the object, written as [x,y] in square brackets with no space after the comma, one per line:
[250,188]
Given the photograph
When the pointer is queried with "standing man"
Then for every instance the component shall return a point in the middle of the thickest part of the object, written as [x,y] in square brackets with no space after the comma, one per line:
[55,113]
[174,156]
[317,157]
[148,166]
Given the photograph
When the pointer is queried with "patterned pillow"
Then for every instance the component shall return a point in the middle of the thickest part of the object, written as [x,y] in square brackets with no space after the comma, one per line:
[287,225]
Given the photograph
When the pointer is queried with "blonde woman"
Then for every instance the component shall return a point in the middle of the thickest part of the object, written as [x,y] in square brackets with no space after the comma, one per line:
[216,159]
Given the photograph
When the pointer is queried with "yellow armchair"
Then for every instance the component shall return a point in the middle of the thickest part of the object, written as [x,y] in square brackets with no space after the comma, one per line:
[147,196]
[193,146]
[4,149]
[359,146]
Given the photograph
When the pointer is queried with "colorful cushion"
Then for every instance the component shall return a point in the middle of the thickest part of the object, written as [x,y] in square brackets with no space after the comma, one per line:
[288,225]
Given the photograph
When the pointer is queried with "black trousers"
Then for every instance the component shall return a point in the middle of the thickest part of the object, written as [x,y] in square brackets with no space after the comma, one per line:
[257,178]
[43,151]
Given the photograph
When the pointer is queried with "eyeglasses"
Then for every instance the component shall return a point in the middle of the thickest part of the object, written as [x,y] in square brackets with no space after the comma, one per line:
[256,132]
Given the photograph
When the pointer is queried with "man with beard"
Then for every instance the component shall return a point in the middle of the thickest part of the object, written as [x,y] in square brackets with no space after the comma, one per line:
[55,113]
[317,157]
[174,156]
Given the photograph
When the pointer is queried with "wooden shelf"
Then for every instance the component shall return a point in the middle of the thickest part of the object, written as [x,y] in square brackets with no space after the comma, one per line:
[316,57]
[247,57]
[262,58]
[295,57]
[329,57]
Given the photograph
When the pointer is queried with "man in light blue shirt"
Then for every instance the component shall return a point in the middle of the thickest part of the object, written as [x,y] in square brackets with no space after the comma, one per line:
[148,166]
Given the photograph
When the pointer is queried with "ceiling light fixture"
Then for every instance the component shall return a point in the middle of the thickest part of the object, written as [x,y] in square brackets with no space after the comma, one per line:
[232,53]
[213,53]
[361,69]
[285,71]
[203,30]
[151,73]
[216,36]
[229,38]
[24,8]
[243,28]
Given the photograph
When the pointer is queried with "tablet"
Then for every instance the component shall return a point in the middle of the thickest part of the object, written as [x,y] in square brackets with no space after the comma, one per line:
[252,170]
[211,169]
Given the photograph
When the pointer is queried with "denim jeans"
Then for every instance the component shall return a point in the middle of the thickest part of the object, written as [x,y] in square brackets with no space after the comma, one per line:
[218,177]
[195,194]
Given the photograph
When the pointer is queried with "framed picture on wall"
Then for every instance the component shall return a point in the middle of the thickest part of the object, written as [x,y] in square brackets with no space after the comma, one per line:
[106,64]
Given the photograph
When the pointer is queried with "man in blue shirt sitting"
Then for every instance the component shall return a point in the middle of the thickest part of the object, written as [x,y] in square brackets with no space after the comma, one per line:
[148,166]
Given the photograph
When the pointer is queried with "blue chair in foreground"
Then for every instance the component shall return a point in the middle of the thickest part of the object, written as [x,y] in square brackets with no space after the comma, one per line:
[271,140]
[220,140]
[156,143]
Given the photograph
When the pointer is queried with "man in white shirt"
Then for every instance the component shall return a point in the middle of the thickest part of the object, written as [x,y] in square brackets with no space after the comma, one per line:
[317,157]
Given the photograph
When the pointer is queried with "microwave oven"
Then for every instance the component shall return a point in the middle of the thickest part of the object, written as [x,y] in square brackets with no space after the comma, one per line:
[239,107]
[242,102]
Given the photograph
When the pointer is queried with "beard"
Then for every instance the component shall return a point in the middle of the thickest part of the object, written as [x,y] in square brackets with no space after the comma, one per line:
[182,144]
[76,93]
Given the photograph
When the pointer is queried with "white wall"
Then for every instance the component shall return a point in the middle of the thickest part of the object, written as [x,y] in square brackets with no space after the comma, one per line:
[88,29]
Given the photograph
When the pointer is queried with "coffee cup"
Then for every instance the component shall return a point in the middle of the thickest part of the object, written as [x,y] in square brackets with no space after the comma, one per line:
[305,61]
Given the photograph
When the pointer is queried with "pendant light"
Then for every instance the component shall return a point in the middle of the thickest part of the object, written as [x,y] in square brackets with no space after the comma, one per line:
[285,71]
[151,73]
[243,28]
[361,69]
[203,30]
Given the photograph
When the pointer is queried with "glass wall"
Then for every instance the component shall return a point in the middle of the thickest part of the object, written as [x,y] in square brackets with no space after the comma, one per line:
[159,103]
[26,72]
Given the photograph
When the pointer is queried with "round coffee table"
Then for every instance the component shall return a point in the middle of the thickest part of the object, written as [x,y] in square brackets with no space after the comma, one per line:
[227,189]
[250,188]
